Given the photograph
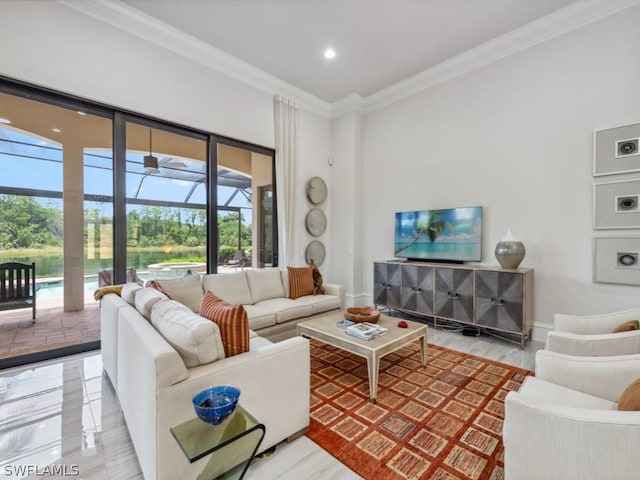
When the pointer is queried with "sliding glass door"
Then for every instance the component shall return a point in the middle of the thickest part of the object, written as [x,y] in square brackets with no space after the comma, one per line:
[51,158]
[96,196]
[166,202]
[245,215]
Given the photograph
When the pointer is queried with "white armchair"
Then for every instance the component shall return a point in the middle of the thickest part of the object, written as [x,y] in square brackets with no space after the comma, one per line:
[564,423]
[592,335]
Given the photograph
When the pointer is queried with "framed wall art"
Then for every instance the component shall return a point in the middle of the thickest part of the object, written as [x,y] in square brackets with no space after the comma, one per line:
[617,260]
[616,150]
[616,204]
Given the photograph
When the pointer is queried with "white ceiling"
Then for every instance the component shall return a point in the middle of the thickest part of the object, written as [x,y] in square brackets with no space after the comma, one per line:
[378,42]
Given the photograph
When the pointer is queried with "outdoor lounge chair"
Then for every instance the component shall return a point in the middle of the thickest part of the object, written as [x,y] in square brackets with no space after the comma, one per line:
[237,260]
[105,277]
[18,287]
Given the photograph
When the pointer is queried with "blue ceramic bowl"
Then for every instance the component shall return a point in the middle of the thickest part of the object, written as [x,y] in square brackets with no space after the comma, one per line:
[214,404]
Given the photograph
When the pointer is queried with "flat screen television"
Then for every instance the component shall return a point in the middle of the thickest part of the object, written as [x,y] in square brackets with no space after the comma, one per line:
[451,235]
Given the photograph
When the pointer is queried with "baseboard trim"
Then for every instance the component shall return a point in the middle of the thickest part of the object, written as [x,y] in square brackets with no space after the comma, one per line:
[297,434]
[540,331]
[357,299]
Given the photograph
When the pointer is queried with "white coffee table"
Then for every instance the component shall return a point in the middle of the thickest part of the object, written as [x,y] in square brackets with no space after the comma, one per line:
[325,330]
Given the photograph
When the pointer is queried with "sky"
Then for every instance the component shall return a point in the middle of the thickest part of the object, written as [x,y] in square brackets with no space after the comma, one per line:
[32,162]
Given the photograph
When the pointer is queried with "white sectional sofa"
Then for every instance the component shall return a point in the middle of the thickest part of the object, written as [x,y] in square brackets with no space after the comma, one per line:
[158,354]
[265,296]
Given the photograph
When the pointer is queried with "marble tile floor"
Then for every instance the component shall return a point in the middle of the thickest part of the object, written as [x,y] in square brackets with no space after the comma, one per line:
[64,413]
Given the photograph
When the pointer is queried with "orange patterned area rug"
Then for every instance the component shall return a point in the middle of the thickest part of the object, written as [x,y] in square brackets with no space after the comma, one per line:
[443,422]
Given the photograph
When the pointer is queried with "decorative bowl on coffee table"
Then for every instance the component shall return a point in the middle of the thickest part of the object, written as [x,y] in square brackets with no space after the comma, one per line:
[214,404]
[362,314]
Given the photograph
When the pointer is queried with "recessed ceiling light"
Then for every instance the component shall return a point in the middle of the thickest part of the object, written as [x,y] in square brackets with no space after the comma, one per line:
[56,130]
[81,113]
[329,53]
[5,120]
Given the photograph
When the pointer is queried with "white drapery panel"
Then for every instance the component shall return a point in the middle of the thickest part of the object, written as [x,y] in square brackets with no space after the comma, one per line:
[285,114]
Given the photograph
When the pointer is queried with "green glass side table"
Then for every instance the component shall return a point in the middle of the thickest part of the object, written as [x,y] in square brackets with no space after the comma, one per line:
[231,445]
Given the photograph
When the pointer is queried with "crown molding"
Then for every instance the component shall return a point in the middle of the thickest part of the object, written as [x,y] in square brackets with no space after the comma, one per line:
[135,22]
[550,26]
[353,103]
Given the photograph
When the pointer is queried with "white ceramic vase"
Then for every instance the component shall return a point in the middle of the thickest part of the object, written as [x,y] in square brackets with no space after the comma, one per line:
[510,251]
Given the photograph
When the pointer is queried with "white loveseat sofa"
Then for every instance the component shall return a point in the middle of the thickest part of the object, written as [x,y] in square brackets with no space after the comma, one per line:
[158,354]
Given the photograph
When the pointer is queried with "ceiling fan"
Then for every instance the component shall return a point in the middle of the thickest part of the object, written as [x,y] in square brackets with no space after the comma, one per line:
[152,164]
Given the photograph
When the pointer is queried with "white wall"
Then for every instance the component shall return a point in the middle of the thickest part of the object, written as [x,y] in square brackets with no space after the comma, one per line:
[346,205]
[313,153]
[516,138]
[51,45]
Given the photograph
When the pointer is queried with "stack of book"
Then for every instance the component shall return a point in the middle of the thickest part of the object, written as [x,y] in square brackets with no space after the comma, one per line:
[365,330]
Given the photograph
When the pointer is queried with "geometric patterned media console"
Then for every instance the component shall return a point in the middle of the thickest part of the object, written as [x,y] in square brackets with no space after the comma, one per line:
[492,299]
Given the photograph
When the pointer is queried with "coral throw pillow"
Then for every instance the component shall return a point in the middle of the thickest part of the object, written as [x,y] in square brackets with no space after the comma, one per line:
[232,320]
[630,398]
[300,281]
[627,326]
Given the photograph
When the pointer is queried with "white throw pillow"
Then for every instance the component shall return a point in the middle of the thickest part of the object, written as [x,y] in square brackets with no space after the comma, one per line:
[285,282]
[146,298]
[186,290]
[195,338]
[128,293]
[231,287]
[265,284]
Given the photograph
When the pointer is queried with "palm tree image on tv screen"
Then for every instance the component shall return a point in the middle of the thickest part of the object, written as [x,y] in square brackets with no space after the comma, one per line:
[453,234]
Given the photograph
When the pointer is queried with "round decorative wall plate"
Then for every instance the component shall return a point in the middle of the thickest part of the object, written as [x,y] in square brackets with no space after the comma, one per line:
[315,250]
[316,190]
[316,222]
